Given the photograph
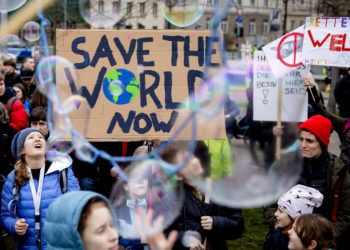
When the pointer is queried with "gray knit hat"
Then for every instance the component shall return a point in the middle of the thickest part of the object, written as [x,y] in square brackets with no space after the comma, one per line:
[18,141]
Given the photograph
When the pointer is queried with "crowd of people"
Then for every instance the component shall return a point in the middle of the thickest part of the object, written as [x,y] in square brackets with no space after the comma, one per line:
[42,206]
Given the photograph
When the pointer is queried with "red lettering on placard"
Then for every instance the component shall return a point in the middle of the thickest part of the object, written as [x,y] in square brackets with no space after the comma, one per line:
[344,48]
[317,42]
[337,42]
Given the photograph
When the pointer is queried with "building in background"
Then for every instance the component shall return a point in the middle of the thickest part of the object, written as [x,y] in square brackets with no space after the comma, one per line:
[298,10]
[254,22]
[143,15]
[258,22]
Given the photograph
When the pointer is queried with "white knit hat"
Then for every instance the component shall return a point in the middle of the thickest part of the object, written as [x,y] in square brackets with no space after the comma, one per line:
[300,200]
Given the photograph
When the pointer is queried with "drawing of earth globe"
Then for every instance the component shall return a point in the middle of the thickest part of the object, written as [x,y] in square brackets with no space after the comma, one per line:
[120,86]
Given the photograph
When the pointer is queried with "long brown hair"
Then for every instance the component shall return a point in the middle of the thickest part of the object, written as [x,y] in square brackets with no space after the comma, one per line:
[38,99]
[21,174]
[314,227]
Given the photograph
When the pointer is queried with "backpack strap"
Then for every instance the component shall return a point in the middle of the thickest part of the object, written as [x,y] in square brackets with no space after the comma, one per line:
[63,180]
[12,206]
[10,103]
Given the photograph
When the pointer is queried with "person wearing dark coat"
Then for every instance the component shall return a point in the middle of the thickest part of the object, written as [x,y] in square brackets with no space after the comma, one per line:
[11,77]
[342,96]
[338,172]
[10,123]
[213,223]
[327,173]
[27,78]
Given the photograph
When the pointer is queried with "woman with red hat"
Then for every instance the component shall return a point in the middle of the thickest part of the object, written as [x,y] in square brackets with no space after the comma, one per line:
[327,173]
[336,183]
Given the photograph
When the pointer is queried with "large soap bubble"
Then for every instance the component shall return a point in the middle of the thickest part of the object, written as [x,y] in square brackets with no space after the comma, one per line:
[183,13]
[31,31]
[58,80]
[148,186]
[8,6]
[103,13]
[246,170]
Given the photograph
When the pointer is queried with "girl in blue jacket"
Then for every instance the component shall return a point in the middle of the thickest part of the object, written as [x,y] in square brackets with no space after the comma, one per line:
[31,187]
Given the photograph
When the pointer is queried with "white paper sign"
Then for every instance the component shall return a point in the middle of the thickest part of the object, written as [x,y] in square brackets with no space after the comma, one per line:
[265,93]
[284,53]
[327,41]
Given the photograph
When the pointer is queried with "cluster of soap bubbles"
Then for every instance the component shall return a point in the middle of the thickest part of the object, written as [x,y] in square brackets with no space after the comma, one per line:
[180,13]
[245,171]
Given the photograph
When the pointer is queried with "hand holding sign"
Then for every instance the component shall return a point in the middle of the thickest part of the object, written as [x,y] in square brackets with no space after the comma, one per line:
[309,82]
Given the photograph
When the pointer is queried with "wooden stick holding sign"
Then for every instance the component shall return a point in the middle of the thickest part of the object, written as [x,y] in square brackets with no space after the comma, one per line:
[308,82]
[279,120]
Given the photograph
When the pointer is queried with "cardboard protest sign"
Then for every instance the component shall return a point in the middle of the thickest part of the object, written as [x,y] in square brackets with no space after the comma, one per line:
[265,93]
[327,41]
[284,53]
[136,82]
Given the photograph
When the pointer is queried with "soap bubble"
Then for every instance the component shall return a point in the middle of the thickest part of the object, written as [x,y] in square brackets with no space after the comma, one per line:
[31,31]
[246,169]
[183,13]
[191,238]
[68,112]
[11,5]
[11,41]
[54,71]
[148,187]
[102,14]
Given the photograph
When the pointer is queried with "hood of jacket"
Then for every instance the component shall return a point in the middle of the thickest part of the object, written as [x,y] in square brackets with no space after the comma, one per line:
[62,220]
[59,161]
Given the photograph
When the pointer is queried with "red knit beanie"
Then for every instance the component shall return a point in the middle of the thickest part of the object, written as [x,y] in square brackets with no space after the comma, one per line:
[320,126]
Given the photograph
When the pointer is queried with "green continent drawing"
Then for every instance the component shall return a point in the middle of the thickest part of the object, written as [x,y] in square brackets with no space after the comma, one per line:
[120,86]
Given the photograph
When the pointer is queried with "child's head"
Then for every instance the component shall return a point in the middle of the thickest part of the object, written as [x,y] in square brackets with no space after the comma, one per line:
[86,217]
[297,201]
[198,163]
[37,119]
[311,231]
[96,226]
[137,187]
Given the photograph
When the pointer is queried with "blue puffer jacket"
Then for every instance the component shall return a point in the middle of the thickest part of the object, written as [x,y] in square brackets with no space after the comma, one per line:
[25,206]
[62,220]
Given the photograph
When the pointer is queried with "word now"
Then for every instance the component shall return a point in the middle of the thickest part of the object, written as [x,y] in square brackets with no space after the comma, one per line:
[337,41]
[142,123]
